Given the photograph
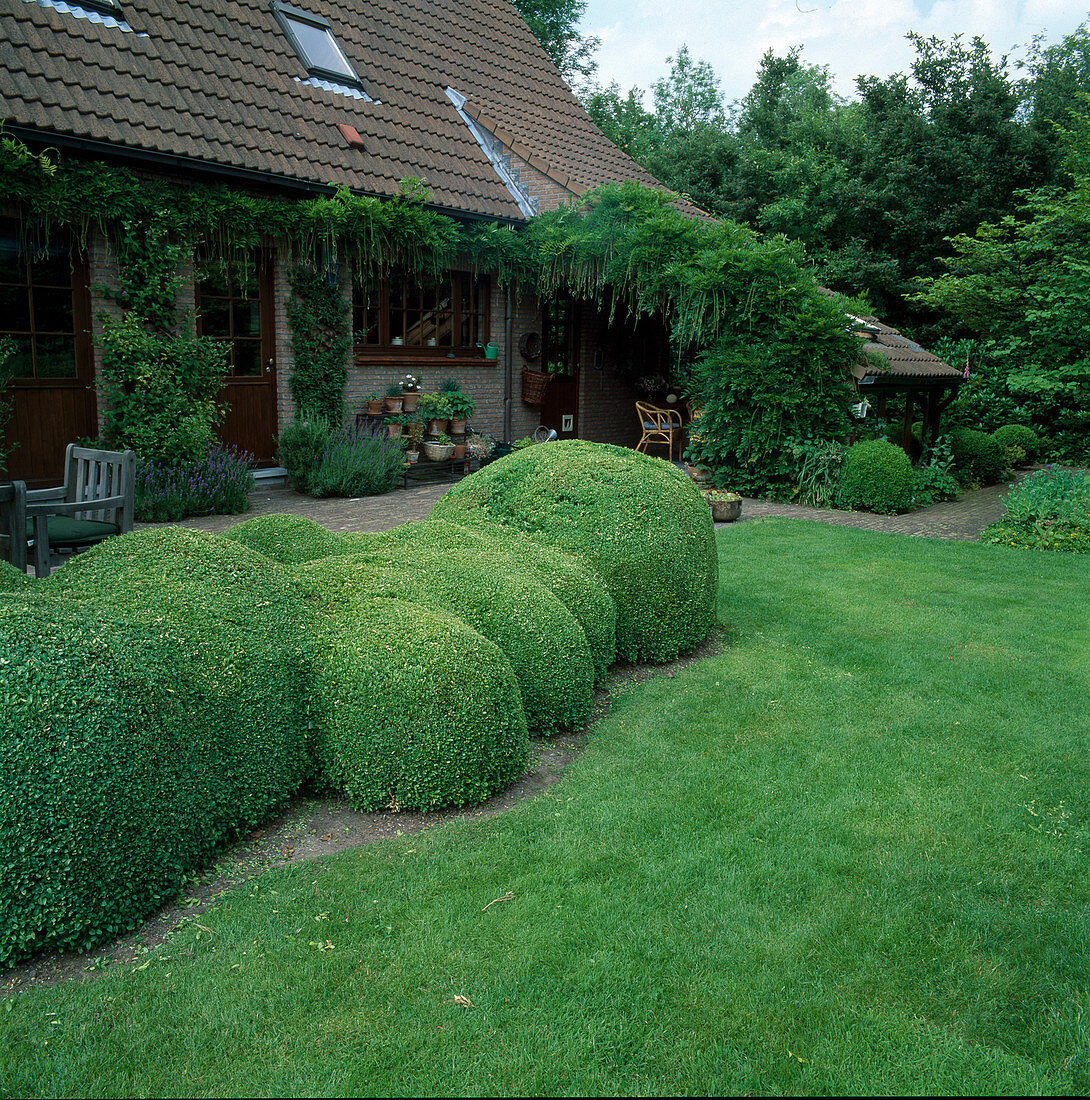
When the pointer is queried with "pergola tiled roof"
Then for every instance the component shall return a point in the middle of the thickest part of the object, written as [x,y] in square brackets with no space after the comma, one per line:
[219,85]
[906,360]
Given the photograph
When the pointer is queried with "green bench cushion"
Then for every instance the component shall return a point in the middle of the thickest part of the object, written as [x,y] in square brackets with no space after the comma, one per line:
[66,531]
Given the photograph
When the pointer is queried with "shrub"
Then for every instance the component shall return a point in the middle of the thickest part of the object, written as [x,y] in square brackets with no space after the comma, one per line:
[638,521]
[1051,495]
[289,540]
[1046,536]
[977,456]
[876,477]
[12,579]
[356,463]
[427,712]
[300,446]
[217,485]
[158,693]
[931,484]
[1018,435]
[575,585]
[507,604]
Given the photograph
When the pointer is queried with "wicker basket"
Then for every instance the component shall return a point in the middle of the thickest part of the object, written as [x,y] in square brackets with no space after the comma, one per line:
[438,452]
[534,385]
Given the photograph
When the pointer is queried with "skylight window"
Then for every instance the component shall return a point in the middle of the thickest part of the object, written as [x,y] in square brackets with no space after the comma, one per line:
[312,38]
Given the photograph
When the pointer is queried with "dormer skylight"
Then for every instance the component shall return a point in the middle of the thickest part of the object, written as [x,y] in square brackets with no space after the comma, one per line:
[107,13]
[312,39]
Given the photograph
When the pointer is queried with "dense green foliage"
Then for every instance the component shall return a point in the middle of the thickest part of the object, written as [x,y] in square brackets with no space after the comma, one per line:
[637,521]
[289,540]
[219,483]
[1048,510]
[328,461]
[158,701]
[555,25]
[321,339]
[7,350]
[11,579]
[498,599]
[1018,435]
[977,456]
[423,711]
[899,903]
[579,588]
[876,476]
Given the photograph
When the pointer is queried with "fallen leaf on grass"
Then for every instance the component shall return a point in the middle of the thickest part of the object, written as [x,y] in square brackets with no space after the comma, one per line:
[326,836]
[465,1002]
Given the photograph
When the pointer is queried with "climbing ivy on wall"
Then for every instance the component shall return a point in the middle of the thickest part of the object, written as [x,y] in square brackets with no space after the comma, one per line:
[321,338]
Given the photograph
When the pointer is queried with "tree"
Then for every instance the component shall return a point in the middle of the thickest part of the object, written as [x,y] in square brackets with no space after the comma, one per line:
[626,122]
[689,99]
[554,25]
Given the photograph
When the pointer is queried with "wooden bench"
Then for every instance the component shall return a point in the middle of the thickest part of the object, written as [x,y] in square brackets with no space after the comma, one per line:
[95,502]
[13,528]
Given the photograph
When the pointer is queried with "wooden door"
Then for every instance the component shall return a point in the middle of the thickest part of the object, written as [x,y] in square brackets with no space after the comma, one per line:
[560,355]
[236,308]
[45,311]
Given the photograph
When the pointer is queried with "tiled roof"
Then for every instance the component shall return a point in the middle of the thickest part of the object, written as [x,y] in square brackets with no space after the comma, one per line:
[218,82]
[905,357]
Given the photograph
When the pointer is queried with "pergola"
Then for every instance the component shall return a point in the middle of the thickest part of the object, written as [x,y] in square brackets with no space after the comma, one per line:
[899,365]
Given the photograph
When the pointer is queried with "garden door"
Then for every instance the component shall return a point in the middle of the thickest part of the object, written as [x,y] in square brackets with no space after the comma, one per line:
[236,307]
[45,321]
[560,356]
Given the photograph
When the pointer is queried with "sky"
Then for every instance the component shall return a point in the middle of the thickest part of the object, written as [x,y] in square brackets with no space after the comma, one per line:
[851,37]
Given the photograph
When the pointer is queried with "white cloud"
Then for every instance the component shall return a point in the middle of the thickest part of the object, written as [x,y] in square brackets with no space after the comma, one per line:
[851,37]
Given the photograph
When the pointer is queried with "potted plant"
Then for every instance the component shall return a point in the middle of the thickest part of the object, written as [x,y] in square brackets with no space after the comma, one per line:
[410,392]
[462,407]
[439,449]
[393,398]
[373,403]
[435,410]
[726,507]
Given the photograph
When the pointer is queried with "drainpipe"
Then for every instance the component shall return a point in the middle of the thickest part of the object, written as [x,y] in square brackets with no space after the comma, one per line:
[508,372]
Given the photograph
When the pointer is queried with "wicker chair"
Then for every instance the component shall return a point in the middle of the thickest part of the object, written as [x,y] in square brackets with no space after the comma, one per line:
[658,426]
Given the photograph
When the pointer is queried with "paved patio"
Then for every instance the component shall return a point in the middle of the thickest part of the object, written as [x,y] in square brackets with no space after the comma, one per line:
[960,519]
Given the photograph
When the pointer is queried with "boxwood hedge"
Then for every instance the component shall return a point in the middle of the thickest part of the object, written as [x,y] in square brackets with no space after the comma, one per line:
[157,700]
[423,711]
[638,521]
[574,584]
[504,602]
[287,539]
[12,579]
[876,476]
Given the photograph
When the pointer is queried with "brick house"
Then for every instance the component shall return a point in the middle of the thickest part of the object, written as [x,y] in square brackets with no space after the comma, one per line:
[297,100]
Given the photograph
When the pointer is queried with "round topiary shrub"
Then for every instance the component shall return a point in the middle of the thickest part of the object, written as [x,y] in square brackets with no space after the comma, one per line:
[977,456]
[497,598]
[12,579]
[1018,435]
[223,635]
[289,540]
[574,584]
[876,476]
[424,711]
[638,521]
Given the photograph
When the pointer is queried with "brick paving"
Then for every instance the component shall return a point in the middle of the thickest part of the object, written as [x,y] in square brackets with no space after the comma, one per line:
[959,519]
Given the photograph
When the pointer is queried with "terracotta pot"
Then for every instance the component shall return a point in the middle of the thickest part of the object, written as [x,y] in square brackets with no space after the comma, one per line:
[393,404]
[459,451]
[457,427]
[393,430]
[436,427]
[375,407]
[409,402]
[412,457]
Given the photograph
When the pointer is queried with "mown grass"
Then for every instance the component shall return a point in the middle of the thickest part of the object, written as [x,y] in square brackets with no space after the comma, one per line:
[847,854]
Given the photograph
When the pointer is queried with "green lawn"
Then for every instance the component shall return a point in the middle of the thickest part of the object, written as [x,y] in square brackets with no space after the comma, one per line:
[847,854]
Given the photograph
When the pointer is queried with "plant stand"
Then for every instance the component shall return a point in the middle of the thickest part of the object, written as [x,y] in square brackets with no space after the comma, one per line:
[422,472]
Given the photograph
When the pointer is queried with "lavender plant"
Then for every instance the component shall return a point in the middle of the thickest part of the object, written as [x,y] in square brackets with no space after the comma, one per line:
[356,463]
[218,484]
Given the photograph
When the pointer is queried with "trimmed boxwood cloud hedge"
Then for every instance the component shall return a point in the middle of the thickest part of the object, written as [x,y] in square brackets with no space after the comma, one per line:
[573,583]
[287,539]
[506,603]
[422,712]
[637,520]
[12,579]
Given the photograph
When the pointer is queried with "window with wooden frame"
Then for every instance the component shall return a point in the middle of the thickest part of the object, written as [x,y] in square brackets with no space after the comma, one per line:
[43,304]
[404,314]
[559,344]
[229,310]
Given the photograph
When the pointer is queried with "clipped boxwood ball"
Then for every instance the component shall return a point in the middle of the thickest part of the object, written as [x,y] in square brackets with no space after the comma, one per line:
[575,585]
[12,579]
[638,521]
[287,539]
[977,456]
[122,772]
[876,476]
[487,591]
[423,711]
[1018,435]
